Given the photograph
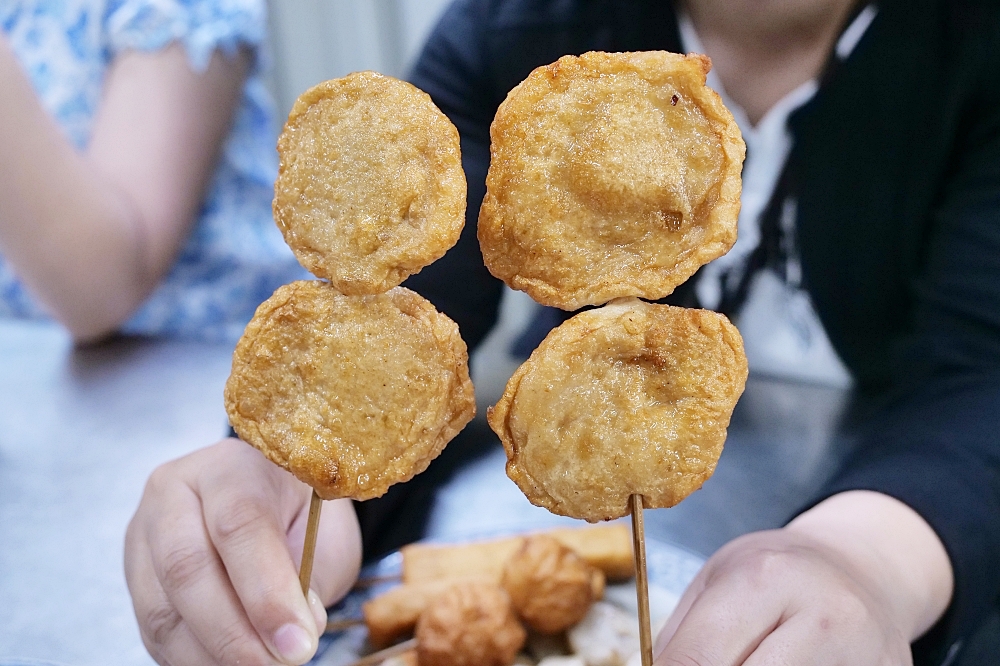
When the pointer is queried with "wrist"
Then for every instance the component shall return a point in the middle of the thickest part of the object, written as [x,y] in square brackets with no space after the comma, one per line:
[892,547]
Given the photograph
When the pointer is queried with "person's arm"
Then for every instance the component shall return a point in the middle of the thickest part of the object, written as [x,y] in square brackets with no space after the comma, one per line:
[211,557]
[92,233]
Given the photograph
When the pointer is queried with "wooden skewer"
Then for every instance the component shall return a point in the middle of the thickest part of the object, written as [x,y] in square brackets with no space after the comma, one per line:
[382,655]
[309,548]
[641,580]
[340,625]
[372,581]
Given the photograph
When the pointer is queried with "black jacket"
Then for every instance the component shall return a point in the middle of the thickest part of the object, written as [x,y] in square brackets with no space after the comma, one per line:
[896,163]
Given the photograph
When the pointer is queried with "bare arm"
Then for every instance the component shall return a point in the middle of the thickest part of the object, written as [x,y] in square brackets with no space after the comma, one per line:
[91,234]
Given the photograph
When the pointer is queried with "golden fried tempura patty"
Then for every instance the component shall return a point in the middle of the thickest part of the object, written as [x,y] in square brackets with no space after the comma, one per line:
[370,187]
[612,174]
[629,398]
[350,393]
[471,624]
[551,587]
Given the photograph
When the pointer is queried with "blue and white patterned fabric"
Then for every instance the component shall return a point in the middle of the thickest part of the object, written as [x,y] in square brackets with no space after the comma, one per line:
[235,256]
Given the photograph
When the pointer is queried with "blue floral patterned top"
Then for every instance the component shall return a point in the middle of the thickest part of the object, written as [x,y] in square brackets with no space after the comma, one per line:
[235,256]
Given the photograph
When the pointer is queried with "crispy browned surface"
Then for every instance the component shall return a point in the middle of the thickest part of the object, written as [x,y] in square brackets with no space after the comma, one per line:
[606,547]
[471,624]
[612,174]
[551,587]
[370,187]
[393,614]
[629,398]
[350,393]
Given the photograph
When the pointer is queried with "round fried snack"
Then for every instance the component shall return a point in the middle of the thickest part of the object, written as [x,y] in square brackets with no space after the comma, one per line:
[612,175]
[471,624]
[551,587]
[370,185]
[351,394]
[630,398]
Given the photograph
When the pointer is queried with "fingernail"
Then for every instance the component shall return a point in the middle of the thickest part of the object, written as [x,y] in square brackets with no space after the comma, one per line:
[318,610]
[294,644]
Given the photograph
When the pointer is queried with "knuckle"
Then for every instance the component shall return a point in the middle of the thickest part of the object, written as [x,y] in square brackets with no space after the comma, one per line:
[844,613]
[158,624]
[767,565]
[160,479]
[268,610]
[686,656]
[234,646]
[183,564]
[241,518]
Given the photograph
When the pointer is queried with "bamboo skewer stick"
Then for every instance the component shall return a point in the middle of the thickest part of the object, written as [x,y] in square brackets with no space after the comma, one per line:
[340,625]
[641,580]
[372,581]
[309,547]
[382,655]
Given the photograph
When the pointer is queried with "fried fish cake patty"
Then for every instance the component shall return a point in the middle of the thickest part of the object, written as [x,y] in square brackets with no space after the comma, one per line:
[630,398]
[471,624]
[551,587]
[370,185]
[612,175]
[349,393]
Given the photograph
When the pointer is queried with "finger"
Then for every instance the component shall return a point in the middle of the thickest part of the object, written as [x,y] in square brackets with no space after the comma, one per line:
[157,619]
[792,644]
[815,640]
[724,624]
[161,627]
[197,586]
[244,523]
[841,631]
[680,612]
[184,649]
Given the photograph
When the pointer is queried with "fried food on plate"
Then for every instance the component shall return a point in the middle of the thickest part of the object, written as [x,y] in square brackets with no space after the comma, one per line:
[551,587]
[349,393]
[470,624]
[607,547]
[612,175]
[370,186]
[429,569]
[606,636]
[393,614]
[630,398]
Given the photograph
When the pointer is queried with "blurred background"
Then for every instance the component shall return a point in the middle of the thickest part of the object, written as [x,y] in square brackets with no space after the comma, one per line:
[316,40]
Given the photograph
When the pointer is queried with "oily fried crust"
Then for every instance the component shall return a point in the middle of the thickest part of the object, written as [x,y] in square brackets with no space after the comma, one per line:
[551,587]
[630,398]
[471,624]
[370,185]
[349,393]
[611,175]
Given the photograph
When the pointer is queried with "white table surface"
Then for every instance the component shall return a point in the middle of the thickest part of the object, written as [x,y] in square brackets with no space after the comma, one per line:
[79,433]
